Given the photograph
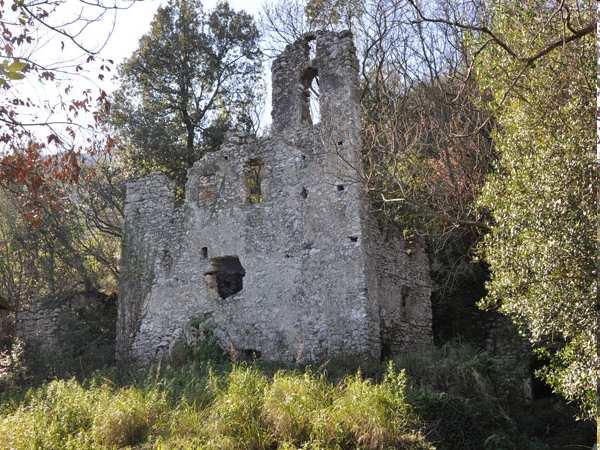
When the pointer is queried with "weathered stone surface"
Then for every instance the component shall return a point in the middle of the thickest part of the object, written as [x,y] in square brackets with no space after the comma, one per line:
[275,247]
[6,327]
[68,327]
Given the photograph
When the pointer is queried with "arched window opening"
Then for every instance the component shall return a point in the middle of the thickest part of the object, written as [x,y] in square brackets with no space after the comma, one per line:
[309,82]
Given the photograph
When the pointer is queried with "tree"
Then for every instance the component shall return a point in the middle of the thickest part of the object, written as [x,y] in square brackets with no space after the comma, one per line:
[194,77]
[543,248]
[41,139]
[72,246]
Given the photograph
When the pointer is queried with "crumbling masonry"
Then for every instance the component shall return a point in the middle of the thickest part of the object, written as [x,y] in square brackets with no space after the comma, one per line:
[275,249]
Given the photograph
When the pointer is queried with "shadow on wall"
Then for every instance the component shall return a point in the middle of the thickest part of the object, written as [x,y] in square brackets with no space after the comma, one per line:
[73,334]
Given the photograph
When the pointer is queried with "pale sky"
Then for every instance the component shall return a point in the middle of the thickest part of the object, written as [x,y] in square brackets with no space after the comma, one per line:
[134,22]
[127,27]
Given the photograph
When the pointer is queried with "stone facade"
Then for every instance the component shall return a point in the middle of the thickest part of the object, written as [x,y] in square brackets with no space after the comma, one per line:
[275,248]
[6,326]
[78,325]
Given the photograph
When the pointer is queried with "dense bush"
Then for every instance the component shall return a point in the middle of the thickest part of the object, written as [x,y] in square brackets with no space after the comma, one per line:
[469,400]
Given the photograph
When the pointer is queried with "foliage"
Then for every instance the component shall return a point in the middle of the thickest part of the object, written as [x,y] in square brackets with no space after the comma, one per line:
[374,415]
[41,138]
[72,243]
[324,13]
[56,415]
[463,395]
[238,409]
[426,159]
[194,76]
[11,70]
[292,404]
[542,248]
[471,399]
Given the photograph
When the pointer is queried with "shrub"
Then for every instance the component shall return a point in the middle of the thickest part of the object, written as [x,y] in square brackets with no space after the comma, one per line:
[234,419]
[241,409]
[367,415]
[461,370]
[128,416]
[67,415]
[50,417]
[292,404]
[466,397]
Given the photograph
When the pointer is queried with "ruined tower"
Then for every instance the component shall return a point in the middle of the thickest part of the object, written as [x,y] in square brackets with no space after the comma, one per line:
[275,249]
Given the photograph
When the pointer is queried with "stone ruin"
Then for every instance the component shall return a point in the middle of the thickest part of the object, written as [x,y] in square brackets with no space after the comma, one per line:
[73,328]
[275,250]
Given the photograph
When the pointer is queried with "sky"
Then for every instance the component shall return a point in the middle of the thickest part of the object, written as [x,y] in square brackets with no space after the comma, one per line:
[134,22]
[123,30]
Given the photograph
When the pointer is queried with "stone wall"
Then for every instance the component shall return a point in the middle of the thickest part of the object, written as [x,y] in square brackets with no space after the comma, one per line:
[513,350]
[275,248]
[6,327]
[58,331]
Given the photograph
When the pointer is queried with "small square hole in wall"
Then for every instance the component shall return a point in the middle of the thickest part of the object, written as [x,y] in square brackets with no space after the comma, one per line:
[340,187]
[204,252]
[353,238]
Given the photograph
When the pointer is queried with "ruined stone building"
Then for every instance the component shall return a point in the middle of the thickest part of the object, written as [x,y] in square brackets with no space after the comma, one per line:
[275,248]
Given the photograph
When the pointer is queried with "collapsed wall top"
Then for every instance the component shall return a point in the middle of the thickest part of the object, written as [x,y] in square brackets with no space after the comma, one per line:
[333,69]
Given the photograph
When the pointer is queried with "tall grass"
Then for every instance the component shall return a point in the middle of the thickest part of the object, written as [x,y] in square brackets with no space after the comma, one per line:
[455,395]
[241,408]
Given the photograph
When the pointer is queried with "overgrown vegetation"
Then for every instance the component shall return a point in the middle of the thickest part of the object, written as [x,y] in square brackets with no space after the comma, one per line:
[194,408]
[543,244]
[452,398]
[478,130]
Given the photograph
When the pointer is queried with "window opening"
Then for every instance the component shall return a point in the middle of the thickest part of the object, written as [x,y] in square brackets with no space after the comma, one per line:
[253,180]
[205,252]
[207,188]
[249,354]
[309,81]
[226,276]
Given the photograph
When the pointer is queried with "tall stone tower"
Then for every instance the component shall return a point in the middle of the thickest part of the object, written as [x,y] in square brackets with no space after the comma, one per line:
[275,249]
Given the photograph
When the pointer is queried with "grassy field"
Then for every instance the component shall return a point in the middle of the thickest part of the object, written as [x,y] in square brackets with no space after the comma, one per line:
[242,409]
[452,399]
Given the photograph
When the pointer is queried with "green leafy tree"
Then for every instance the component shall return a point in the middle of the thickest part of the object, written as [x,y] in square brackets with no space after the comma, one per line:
[543,248]
[194,77]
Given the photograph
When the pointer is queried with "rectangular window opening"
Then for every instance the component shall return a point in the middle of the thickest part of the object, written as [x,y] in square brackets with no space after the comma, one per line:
[207,188]
[253,180]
